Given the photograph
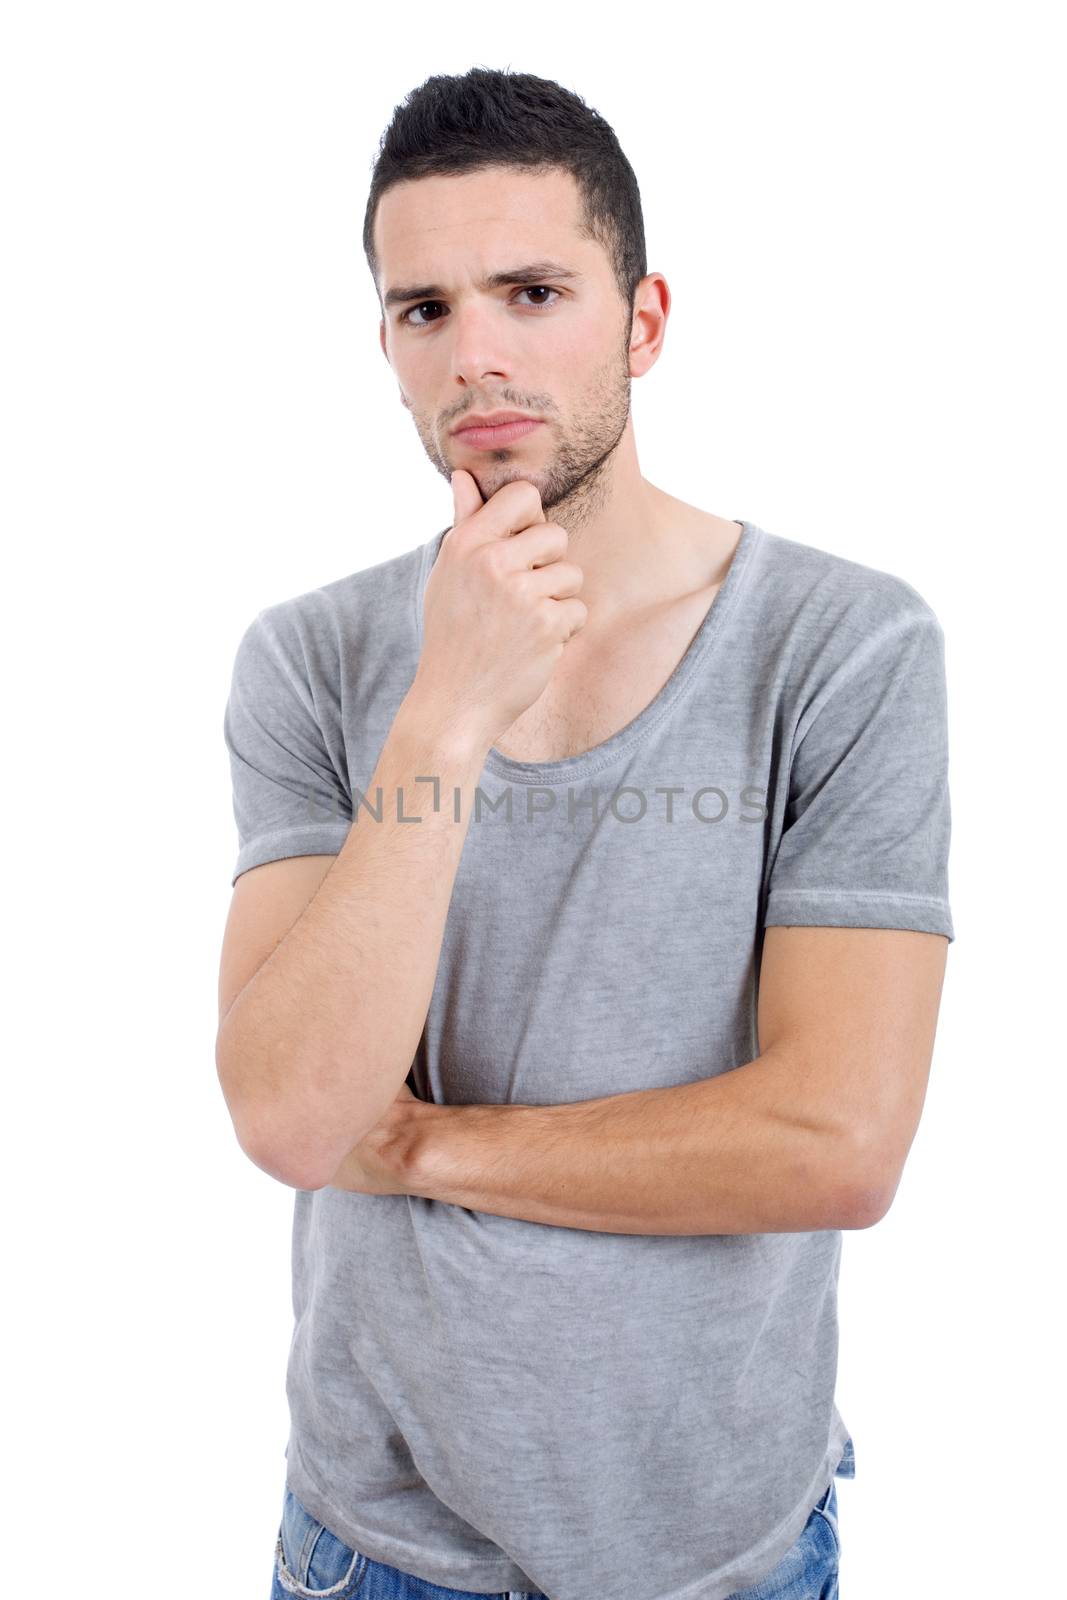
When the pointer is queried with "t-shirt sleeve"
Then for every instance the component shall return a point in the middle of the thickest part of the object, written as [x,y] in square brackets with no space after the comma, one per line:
[288,799]
[865,836]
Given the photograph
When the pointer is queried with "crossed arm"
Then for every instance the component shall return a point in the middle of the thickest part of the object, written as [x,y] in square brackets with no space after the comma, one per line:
[813,1133]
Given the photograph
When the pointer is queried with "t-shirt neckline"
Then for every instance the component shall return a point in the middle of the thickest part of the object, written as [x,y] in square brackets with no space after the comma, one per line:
[579,767]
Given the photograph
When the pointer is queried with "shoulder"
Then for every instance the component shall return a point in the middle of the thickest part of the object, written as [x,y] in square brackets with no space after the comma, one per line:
[821,593]
[350,626]
[371,595]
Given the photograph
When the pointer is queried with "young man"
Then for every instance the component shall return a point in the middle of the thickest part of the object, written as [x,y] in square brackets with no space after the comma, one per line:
[588,931]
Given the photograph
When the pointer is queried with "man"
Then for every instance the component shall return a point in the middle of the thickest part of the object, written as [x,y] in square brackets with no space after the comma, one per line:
[586,948]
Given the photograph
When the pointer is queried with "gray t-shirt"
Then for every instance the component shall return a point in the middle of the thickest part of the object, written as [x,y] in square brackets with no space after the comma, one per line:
[495,1404]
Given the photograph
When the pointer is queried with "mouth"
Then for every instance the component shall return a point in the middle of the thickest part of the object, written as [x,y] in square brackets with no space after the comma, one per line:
[482,437]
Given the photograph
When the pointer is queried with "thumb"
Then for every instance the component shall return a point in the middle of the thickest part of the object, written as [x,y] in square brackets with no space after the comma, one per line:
[466,496]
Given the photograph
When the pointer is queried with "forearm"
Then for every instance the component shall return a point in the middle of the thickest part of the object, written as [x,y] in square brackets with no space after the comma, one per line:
[320,1039]
[738,1153]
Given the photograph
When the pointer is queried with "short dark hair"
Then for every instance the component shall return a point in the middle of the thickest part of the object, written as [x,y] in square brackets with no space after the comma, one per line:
[488,118]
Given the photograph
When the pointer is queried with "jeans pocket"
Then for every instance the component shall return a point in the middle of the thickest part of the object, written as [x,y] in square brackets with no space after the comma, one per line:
[310,1561]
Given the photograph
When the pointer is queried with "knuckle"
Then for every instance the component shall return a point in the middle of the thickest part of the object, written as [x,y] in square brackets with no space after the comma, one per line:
[492,558]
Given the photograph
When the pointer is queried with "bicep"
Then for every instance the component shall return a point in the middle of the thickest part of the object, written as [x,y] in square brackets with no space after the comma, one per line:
[266,902]
[856,1010]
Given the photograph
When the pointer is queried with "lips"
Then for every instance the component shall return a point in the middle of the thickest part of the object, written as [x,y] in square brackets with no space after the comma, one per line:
[490,438]
[492,419]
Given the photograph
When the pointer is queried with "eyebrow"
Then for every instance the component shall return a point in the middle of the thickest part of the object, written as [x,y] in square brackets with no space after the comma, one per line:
[531,273]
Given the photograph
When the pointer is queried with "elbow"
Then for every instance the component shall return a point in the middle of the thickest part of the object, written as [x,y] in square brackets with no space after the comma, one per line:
[864,1212]
[279,1162]
[275,1151]
[864,1192]
[271,1140]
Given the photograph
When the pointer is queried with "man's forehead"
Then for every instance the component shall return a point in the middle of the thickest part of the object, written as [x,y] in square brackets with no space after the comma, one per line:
[440,224]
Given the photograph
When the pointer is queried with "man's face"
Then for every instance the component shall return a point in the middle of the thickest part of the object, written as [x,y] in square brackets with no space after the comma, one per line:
[552,346]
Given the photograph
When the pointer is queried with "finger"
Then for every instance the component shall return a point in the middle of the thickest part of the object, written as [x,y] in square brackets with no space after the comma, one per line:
[466,496]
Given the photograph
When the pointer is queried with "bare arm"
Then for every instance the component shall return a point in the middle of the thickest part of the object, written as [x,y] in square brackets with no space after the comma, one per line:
[314,1046]
[811,1134]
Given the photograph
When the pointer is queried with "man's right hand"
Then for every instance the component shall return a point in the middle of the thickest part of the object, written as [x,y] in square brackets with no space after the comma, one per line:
[499,606]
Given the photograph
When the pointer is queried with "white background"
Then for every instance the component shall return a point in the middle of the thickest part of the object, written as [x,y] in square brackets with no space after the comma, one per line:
[855,208]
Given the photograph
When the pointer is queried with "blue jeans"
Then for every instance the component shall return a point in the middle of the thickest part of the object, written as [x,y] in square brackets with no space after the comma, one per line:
[311,1561]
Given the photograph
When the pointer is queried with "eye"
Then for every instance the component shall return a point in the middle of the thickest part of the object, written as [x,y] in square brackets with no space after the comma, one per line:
[532,288]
